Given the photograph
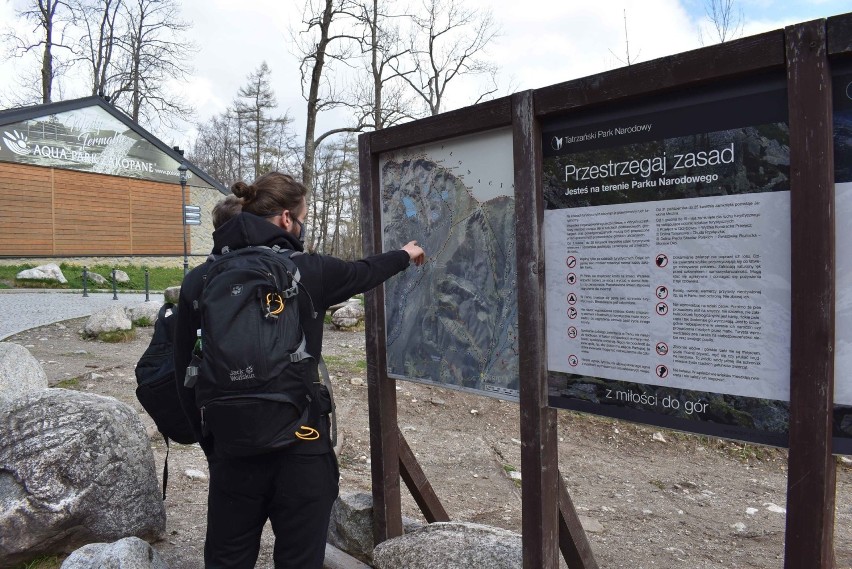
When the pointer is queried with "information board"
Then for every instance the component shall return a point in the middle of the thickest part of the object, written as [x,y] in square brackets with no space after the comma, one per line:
[667,242]
[842,101]
[453,321]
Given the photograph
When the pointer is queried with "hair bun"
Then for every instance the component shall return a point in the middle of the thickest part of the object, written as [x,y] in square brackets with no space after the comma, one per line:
[244,191]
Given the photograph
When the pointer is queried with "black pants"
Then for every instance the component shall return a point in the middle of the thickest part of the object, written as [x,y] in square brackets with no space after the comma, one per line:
[294,491]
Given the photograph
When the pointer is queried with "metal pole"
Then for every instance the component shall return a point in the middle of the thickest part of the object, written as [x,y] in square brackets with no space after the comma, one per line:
[147,298]
[114,290]
[183,215]
[85,281]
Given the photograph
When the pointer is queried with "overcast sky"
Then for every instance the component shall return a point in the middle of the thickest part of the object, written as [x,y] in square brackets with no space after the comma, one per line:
[542,42]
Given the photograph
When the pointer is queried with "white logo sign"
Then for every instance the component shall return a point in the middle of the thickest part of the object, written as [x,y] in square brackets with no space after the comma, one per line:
[242,374]
[556,143]
[16,142]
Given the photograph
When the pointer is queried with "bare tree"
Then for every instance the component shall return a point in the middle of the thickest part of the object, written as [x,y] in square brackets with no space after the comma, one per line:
[726,17]
[50,18]
[325,37]
[248,137]
[215,148]
[153,53]
[334,204]
[447,42]
[99,20]
[382,94]
[628,60]
[255,101]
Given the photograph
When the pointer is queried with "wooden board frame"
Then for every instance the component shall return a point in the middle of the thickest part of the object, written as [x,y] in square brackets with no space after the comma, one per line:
[806,52]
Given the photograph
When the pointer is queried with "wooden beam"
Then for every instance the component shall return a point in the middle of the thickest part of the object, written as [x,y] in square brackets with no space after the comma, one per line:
[573,542]
[419,486]
[381,389]
[809,542]
[539,464]
[477,118]
[838,30]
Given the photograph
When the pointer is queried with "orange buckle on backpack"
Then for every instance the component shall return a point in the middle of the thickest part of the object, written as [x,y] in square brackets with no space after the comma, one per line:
[310,434]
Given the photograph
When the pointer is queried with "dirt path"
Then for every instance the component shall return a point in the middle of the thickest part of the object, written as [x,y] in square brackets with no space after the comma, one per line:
[681,502]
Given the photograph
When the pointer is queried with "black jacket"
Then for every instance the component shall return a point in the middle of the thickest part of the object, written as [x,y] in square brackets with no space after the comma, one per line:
[327,280]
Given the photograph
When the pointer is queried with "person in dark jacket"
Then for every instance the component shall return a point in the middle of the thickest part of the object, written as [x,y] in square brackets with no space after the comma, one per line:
[294,487]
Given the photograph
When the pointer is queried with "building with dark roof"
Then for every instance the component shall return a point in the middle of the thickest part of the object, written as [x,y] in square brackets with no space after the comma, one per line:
[80,179]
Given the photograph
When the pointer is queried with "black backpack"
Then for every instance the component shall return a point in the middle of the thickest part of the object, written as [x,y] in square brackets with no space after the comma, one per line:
[156,389]
[258,390]
[155,378]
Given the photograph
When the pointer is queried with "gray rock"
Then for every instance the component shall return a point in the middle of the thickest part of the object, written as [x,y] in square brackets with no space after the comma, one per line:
[121,277]
[350,528]
[49,272]
[96,278]
[591,525]
[349,316]
[172,294]
[20,372]
[75,468]
[451,546]
[143,310]
[127,553]
[109,319]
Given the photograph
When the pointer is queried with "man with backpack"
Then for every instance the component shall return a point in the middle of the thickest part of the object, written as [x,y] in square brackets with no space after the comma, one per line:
[248,337]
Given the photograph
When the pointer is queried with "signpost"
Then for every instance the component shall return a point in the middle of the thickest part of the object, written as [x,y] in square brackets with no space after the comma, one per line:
[192,214]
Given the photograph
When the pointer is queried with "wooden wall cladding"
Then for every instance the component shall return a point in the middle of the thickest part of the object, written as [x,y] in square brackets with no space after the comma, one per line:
[26,217]
[66,213]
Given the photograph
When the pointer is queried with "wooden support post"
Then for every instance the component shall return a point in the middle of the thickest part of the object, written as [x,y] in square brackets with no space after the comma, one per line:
[381,390]
[539,463]
[811,473]
[573,542]
[419,486]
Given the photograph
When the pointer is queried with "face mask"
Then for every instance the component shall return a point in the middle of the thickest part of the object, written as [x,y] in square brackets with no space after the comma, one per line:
[301,236]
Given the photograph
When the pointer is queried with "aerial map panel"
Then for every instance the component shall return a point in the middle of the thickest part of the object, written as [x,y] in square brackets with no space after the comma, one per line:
[453,321]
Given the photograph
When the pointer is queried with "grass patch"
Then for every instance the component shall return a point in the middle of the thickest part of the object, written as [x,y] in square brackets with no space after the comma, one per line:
[143,322]
[70,383]
[344,364]
[43,562]
[509,469]
[159,278]
[117,336]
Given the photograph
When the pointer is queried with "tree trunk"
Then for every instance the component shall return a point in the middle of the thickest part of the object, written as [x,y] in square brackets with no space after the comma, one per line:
[47,11]
[308,166]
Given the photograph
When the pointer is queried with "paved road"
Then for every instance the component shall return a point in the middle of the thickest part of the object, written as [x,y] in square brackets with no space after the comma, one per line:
[24,309]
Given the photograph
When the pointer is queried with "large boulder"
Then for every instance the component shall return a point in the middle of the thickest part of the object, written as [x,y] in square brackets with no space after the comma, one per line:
[110,319]
[349,316]
[20,372]
[127,553]
[49,272]
[96,278]
[120,276]
[75,468]
[172,294]
[449,545]
[143,312]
